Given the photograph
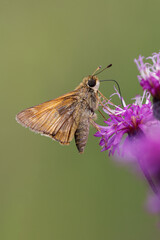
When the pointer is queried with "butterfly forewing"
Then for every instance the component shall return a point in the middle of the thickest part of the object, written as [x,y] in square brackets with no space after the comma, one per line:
[57,118]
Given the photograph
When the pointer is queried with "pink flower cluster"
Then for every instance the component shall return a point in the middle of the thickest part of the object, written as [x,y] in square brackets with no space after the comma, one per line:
[133,131]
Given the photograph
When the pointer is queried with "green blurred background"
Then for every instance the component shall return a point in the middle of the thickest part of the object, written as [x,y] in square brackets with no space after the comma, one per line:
[48,191]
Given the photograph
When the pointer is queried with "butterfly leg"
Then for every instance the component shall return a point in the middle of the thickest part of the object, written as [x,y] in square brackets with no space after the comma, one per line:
[93,124]
[97,128]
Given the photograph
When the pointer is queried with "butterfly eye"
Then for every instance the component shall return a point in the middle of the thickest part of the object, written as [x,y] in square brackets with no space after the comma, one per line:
[91,82]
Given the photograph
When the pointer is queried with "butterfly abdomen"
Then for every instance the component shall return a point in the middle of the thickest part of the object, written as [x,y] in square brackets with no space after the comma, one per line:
[81,134]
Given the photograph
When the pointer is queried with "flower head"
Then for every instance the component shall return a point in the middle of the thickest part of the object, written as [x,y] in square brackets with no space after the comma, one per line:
[133,132]
[130,121]
[149,77]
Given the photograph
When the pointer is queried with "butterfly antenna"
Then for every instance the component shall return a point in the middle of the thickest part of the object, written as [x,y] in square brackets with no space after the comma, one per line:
[96,70]
[119,90]
[110,65]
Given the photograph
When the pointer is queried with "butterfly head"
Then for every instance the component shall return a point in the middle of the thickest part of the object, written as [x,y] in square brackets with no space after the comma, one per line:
[91,82]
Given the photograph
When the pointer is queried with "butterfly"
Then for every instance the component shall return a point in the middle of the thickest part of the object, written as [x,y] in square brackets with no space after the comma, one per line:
[68,116]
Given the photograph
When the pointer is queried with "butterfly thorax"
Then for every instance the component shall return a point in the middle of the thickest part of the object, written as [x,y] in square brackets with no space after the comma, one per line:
[89,95]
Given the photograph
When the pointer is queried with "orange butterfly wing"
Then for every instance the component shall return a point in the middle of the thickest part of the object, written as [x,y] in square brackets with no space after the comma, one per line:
[58,118]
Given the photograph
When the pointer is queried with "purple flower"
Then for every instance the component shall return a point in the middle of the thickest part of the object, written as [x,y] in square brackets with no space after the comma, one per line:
[131,121]
[149,79]
[150,74]
[133,133]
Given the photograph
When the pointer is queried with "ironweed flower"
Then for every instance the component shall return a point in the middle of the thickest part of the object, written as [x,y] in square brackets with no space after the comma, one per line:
[133,133]
[149,79]
[128,122]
